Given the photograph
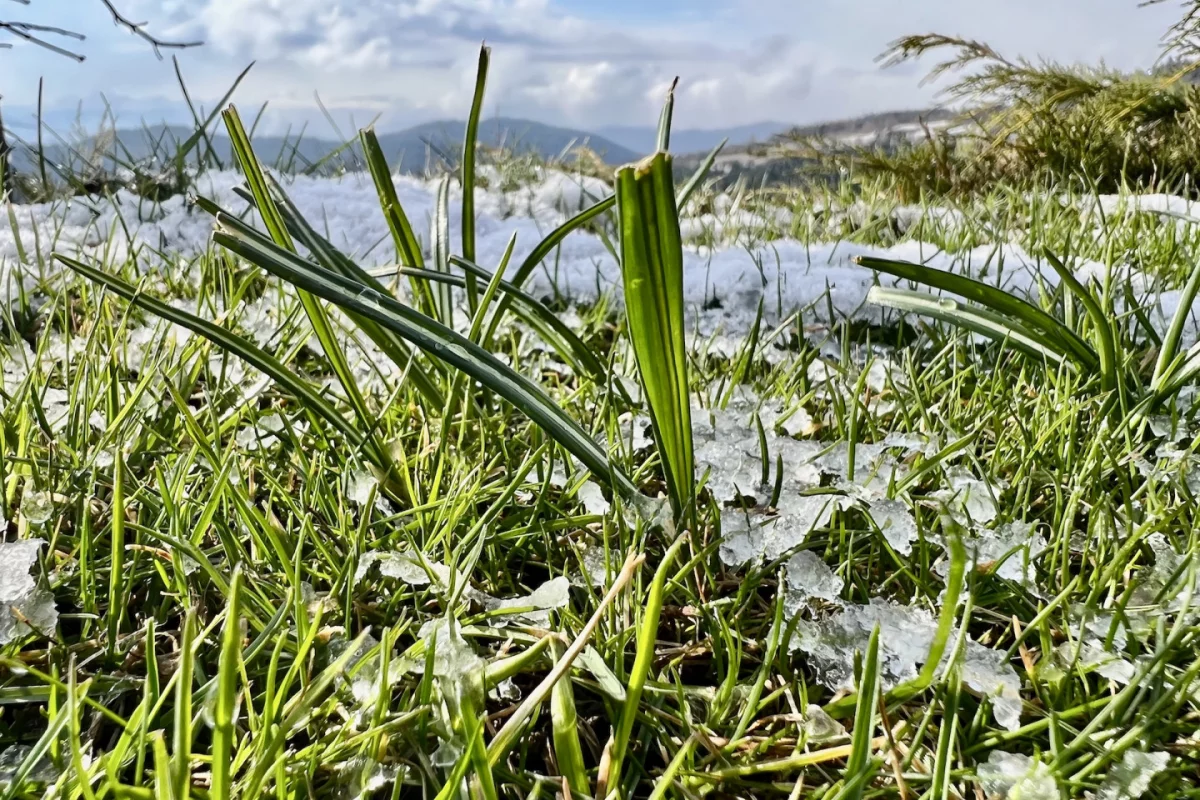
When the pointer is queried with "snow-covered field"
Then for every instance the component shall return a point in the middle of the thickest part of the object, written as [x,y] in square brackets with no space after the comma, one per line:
[724,283]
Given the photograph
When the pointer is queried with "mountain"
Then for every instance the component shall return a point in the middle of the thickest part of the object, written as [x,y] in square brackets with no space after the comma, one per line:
[643,139]
[411,150]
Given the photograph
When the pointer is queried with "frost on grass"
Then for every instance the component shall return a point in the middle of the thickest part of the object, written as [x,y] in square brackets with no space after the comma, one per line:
[453,658]
[533,608]
[402,565]
[819,726]
[1008,551]
[1130,779]
[750,537]
[24,608]
[809,577]
[906,637]
[1012,776]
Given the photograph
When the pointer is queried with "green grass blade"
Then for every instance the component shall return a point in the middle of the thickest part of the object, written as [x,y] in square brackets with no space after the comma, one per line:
[976,320]
[225,705]
[565,726]
[443,297]
[1170,343]
[652,271]
[408,248]
[436,340]
[242,348]
[1110,375]
[469,153]
[322,326]
[642,663]
[864,719]
[181,757]
[116,586]
[1047,329]
[693,183]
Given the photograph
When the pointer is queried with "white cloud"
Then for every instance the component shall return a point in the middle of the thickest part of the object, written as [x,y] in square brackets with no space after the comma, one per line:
[413,60]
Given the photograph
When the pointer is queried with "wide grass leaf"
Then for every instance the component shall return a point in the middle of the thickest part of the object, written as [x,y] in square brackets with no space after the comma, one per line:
[652,271]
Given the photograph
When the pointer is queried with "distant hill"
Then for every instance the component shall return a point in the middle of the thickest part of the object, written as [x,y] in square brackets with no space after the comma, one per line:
[431,145]
[410,150]
[644,138]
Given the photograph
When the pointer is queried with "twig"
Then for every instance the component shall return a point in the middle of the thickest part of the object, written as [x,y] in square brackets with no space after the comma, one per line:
[139,29]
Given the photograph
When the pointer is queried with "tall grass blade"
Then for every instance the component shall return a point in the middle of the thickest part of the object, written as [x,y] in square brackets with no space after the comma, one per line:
[435,339]
[470,146]
[322,326]
[329,257]
[1046,329]
[1105,332]
[652,271]
[242,348]
[642,663]
[970,318]
[225,704]
[408,248]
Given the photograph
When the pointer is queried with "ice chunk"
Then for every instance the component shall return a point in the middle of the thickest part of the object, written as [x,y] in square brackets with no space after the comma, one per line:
[593,498]
[1091,656]
[987,673]
[594,571]
[1009,551]
[37,507]
[453,658]
[534,607]
[1012,776]
[895,522]
[818,726]
[752,537]
[808,576]
[906,637]
[24,608]
[1130,779]
[403,566]
[967,499]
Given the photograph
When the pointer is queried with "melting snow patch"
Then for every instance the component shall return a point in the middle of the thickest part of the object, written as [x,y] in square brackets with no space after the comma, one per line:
[1012,776]
[809,577]
[1130,779]
[24,608]
[533,608]
[906,637]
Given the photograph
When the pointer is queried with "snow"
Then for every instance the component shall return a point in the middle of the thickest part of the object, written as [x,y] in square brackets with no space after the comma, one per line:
[1012,776]
[1130,779]
[22,603]
[906,638]
[784,275]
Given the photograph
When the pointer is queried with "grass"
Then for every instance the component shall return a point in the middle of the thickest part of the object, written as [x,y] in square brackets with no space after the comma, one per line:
[301,587]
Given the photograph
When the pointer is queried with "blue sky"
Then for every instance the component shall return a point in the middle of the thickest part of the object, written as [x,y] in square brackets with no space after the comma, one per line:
[586,63]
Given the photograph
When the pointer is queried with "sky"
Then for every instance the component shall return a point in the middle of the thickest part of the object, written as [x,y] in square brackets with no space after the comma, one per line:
[582,63]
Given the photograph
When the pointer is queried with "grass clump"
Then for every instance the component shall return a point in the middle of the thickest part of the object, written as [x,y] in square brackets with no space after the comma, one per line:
[398,544]
[1038,124]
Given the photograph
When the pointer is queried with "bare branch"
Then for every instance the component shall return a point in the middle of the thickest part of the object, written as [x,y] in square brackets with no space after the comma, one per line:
[139,29]
[36,34]
[26,31]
